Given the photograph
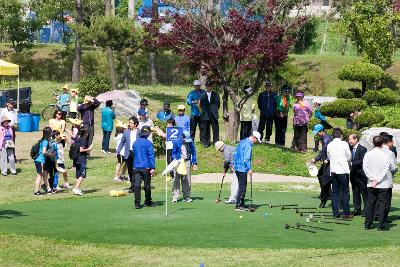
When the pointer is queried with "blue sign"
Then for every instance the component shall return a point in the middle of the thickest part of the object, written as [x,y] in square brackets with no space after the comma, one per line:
[174,133]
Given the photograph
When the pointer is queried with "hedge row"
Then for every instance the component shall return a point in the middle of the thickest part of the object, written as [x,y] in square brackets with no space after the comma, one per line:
[341,108]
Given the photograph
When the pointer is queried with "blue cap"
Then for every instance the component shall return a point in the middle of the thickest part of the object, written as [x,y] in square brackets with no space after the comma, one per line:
[142,112]
[188,139]
[318,128]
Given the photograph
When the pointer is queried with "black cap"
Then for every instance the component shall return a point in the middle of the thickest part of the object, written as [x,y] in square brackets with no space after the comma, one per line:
[286,88]
[166,104]
[145,132]
[209,83]
[144,101]
[268,83]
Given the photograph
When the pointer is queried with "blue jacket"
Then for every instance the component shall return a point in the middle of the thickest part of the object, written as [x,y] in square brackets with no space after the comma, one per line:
[143,154]
[267,103]
[242,159]
[318,115]
[177,151]
[164,116]
[183,122]
[125,142]
[323,154]
[107,119]
[194,96]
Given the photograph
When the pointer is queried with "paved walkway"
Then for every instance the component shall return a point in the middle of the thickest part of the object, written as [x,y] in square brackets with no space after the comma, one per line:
[262,178]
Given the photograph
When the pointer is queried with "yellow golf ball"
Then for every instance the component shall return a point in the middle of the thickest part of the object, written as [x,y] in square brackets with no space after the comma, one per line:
[241,217]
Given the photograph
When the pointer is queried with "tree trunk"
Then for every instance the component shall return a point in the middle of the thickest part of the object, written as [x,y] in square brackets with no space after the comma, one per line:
[131,9]
[109,11]
[344,46]
[152,55]
[363,88]
[113,72]
[231,119]
[126,73]
[76,64]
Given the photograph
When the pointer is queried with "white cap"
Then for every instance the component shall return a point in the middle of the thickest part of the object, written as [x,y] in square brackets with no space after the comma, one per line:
[196,82]
[257,135]
[219,145]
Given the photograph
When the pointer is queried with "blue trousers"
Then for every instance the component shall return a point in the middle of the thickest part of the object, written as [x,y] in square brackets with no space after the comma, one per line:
[106,140]
[340,182]
[242,180]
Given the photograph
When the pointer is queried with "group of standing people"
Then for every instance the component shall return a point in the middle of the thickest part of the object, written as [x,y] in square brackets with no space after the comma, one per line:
[370,174]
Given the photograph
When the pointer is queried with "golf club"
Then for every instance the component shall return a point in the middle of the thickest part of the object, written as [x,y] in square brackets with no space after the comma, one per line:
[319,213]
[315,227]
[308,220]
[298,208]
[311,216]
[283,205]
[251,208]
[218,200]
[287,226]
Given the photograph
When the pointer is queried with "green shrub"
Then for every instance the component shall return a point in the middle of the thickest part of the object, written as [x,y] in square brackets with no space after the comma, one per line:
[361,71]
[344,93]
[368,118]
[341,108]
[93,86]
[383,97]
[158,141]
[395,124]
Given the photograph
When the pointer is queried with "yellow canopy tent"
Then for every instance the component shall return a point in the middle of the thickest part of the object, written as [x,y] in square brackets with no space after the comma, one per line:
[10,69]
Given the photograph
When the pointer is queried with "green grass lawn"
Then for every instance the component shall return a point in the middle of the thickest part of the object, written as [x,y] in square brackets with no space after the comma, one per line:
[202,223]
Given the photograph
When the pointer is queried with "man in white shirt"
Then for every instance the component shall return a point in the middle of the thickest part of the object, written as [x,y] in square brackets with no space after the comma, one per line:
[378,167]
[339,156]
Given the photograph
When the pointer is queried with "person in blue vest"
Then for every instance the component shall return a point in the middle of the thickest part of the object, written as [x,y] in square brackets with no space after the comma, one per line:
[182,120]
[107,123]
[144,166]
[166,113]
[185,150]
[242,166]
[193,100]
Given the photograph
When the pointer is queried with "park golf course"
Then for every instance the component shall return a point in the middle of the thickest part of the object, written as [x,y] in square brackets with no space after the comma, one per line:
[98,230]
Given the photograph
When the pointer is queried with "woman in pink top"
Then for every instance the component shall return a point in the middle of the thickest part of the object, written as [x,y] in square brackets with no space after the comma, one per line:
[302,114]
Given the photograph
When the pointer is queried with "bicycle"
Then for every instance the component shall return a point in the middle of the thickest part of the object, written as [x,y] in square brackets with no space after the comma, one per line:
[48,111]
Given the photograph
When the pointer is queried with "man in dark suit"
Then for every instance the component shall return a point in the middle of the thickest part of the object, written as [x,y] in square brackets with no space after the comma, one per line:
[128,138]
[358,179]
[209,104]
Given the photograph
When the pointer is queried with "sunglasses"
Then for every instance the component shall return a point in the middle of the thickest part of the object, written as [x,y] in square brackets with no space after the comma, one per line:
[59,113]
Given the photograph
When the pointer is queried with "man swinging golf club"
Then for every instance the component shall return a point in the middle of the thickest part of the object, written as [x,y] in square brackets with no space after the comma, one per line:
[242,166]
[228,152]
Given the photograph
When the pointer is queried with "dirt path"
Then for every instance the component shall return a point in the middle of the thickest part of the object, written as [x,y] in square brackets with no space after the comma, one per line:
[262,178]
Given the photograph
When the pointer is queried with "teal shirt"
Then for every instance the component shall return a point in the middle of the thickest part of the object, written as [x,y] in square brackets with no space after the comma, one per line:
[41,158]
[107,119]
[64,99]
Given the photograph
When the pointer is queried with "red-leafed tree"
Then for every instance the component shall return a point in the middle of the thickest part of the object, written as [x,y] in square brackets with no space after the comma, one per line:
[238,47]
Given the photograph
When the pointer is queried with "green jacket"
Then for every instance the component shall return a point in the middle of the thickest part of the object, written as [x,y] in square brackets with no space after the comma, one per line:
[280,107]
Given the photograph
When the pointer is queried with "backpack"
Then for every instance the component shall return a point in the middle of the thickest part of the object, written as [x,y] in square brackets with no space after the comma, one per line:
[73,151]
[35,150]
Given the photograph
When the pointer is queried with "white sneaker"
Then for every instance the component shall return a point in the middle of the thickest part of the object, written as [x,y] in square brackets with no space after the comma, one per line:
[67,186]
[174,200]
[230,201]
[105,152]
[77,191]
[57,189]
[188,199]
[117,179]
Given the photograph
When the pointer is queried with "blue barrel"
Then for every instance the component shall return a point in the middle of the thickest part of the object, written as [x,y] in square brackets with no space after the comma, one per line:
[35,122]
[24,122]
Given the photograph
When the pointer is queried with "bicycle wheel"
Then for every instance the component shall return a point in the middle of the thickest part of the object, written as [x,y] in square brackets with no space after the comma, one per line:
[48,112]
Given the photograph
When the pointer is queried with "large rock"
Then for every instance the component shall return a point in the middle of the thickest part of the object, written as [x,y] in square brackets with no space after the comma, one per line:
[321,99]
[125,102]
[367,135]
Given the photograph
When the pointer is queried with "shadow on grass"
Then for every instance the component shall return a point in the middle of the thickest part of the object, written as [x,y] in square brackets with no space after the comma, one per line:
[180,209]
[10,214]
[90,191]
[164,97]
